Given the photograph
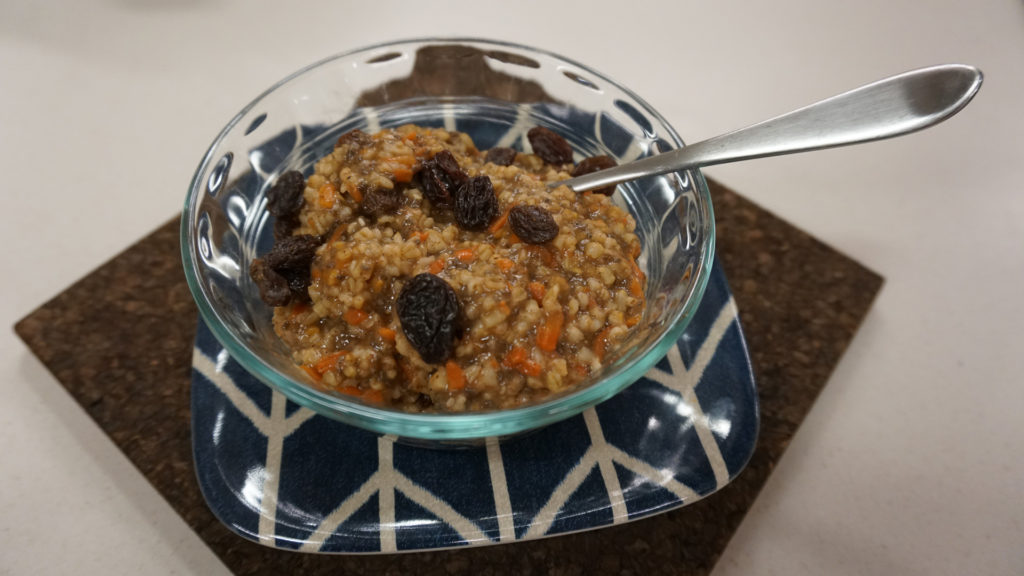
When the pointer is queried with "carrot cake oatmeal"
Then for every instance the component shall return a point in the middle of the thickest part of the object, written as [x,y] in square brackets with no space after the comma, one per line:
[413,271]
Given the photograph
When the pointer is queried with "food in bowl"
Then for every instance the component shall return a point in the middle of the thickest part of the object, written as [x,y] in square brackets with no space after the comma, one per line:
[414,271]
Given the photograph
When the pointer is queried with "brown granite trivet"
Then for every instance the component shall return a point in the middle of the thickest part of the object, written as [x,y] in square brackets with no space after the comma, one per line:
[120,341]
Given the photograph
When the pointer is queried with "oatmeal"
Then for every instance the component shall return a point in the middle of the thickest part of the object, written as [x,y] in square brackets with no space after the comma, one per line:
[413,271]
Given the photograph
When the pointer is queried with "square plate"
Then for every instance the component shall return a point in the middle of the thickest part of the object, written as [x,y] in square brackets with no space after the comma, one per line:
[278,474]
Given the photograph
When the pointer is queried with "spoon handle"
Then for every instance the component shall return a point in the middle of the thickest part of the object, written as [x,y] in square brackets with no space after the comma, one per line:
[890,107]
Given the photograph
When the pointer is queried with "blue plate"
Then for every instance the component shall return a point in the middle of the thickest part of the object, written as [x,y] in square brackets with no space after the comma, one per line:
[277,474]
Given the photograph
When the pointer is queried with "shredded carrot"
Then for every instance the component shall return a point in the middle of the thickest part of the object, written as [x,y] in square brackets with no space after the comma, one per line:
[350,391]
[580,369]
[635,287]
[327,196]
[402,174]
[601,343]
[299,308]
[634,252]
[550,331]
[456,378]
[353,191]
[636,282]
[516,356]
[496,226]
[546,255]
[518,359]
[423,236]
[504,264]
[406,369]
[373,396]
[436,266]
[529,368]
[504,307]
[338,231]
[325,364]
[407,160]
[465,255]
[513,239]
[633,321]
[536,290]
[355,316]
[312,373]
[386,333]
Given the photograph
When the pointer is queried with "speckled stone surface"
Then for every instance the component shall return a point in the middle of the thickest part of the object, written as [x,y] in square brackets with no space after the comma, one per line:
[120,341]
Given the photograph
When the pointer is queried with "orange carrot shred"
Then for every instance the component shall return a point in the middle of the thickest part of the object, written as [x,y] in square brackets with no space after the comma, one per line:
[327,196]
[299,308]
[515,357]
[504,264]
[373,396]
[633,320]
[350,391]
[465,255]
[601,343]
[353,191]
[312,373]
[402,174]
[456,378]
[436,266]
[550,331]
[529,368]
[355,316]
[386,333]
[325,364]
[504,307]
[536,290]
[496,226]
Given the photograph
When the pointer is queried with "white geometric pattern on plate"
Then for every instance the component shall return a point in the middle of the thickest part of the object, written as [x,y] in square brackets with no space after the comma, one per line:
[680,433]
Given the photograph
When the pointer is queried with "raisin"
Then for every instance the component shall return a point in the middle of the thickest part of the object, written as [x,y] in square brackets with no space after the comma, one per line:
[428,310]
[595,164]
[551,147]
[287,265]
[273,287]
[500,156]
[381,202]
[423,401]
[476,204]
[284,226]
[284,199]
[440,178]
[532,224]
[355,137]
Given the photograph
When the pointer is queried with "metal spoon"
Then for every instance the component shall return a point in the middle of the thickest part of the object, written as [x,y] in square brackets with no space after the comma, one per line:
[890,107]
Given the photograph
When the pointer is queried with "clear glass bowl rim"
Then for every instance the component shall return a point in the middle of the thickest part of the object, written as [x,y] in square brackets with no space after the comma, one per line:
[432,426]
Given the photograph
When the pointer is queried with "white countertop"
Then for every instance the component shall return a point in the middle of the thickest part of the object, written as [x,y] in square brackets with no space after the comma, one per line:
[911,461]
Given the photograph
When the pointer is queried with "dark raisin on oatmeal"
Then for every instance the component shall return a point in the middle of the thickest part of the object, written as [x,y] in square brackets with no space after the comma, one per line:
[533,224]
[476,205]
[286,265]
[429,310]
[596,164]
[380,202]
[440,177]
[500,156]
[550,146]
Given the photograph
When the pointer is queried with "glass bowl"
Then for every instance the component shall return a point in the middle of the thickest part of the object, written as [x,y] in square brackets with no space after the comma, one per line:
[493,91]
